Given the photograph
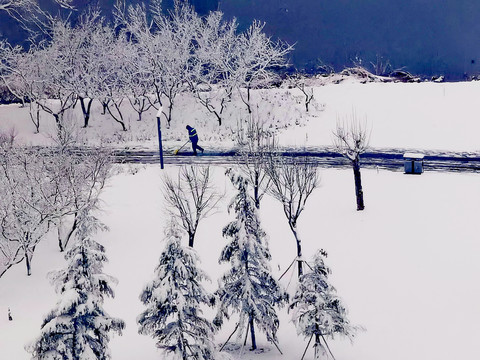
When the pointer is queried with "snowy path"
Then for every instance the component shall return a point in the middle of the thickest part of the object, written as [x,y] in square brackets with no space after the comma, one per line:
[391,159]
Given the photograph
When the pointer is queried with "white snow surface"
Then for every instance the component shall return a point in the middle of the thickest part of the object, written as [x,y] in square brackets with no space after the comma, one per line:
[406,267]
[425,116]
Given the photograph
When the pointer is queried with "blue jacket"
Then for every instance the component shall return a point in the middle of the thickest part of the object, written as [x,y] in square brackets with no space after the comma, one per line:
[192,133]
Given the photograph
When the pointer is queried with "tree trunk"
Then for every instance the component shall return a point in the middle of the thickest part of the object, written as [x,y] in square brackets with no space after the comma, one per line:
[64,240]
[219,118]
[28,263]
[293,227]
[141,109]
[252,333]
[86,110]
[35,117]
[358,184]
[58,121]
[256,190]
[104,107]
[170,110]
[317,347]
[191,239]
[70,233]
[118,119]
[60,241]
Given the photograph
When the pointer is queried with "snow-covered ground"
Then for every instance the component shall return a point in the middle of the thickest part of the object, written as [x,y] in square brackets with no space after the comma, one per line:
[406,266]
[425,116]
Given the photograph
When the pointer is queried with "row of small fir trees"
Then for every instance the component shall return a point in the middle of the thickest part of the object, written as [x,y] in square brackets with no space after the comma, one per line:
[78,327]
[175,297]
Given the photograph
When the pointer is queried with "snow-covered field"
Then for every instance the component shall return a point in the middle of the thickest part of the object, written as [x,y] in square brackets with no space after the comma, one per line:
[407,266]
[431,116]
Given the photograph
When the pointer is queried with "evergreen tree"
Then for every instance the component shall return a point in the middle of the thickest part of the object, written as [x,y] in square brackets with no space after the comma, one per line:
[173,300]
[78,327]
[248,287]
[318,311]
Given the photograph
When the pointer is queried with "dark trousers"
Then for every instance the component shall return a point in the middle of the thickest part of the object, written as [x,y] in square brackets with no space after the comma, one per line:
[195,146]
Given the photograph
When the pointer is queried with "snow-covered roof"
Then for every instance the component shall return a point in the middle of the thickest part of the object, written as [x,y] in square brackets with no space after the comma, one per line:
[413,155]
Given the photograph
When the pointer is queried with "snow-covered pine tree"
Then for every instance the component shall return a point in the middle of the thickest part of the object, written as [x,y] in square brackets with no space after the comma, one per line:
[248,288]
[317,310]
[78,327]
[173,300]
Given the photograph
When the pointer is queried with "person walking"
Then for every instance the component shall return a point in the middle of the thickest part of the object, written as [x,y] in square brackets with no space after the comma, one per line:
[192,133]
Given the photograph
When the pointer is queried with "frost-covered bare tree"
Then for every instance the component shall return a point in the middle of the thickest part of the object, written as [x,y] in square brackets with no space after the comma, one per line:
[258,56]
[30,15]
[20,10]
[351,139]
[41,187]
[177,32]
[256,144]
[82,177]
[16,76]
[141,97]
[137,76]
[182,48]
[190,198]
[166,43]
[94,41]
[114,88]
[212,80]
[9,56]
[299,82]
[292,182]
[78,63]
[25,83]
[145,49]
[45,72]
[13,7]
[31,199]
[13,77]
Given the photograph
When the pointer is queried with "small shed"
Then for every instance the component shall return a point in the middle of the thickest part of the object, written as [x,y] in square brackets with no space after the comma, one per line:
[413,163]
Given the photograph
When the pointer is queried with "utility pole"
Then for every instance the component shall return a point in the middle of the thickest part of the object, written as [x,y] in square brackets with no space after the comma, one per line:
[160,147]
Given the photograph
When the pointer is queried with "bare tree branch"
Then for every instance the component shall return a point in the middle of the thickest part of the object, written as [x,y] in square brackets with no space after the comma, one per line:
[351,139]
[256,143]
[190,198]
[293,181]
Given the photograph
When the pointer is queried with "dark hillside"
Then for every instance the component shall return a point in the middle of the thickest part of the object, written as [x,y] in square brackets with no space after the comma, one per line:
[423,37]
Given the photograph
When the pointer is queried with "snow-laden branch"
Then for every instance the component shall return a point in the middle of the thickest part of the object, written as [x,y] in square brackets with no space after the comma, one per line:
[190,198]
